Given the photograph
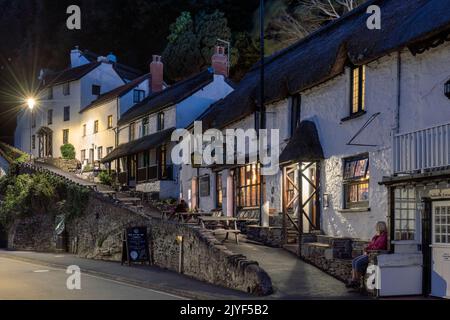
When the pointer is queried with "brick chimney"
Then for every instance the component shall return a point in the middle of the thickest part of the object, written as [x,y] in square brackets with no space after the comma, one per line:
[157,72]
[219,61]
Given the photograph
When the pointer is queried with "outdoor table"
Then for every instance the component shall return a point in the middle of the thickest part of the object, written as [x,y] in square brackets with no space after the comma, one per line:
[133,200]
[109,192]
[225,221]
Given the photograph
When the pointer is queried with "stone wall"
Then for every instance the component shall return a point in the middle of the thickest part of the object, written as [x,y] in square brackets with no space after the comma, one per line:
[32,233]
[97,235]
[68,165]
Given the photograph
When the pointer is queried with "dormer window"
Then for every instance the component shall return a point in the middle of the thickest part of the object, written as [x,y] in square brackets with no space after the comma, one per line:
[96,89]
[358,90]
[138,95]
[66,88]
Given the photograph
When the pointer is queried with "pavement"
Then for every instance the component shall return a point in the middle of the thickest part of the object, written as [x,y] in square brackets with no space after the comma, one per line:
[144,277]
[292,278]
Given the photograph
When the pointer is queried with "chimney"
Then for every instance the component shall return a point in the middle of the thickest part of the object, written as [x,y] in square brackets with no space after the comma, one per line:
[76,57]
[219,61]
[157,72]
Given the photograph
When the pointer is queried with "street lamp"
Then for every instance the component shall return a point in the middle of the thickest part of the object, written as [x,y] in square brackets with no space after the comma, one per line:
[31,102]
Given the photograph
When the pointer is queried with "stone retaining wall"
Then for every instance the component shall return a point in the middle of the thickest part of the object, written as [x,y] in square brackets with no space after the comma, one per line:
[97,235]
[68,165]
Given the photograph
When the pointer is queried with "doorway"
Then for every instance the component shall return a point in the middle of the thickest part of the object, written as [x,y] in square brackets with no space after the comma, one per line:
[440,249]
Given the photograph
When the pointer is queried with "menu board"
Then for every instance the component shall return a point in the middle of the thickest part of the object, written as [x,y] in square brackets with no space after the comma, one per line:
[135,246]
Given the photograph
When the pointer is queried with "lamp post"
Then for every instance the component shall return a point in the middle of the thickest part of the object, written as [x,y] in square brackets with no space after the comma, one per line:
[31,102]
[261,118]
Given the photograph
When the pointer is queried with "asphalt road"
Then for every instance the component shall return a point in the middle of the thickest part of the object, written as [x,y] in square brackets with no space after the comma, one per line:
[21,280]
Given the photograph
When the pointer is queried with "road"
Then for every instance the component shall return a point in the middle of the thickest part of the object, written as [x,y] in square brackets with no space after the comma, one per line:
[20,280]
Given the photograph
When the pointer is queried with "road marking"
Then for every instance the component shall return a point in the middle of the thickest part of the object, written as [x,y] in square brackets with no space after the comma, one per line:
[41,271]
[98,277]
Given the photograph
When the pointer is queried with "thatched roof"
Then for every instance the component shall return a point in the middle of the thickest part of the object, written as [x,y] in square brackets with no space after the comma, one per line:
[168,97]
[145,143]
[304,146]
[116,93]
[325,53]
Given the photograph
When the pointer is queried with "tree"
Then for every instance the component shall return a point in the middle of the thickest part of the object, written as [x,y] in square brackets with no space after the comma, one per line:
[191,43]
[288,21]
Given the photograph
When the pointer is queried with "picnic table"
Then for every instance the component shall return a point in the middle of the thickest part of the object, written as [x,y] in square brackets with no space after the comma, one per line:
[225,222]
[132,200]
[109,192]
[187,216]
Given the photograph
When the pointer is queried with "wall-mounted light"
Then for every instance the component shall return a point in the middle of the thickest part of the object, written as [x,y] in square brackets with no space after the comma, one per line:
[447,89]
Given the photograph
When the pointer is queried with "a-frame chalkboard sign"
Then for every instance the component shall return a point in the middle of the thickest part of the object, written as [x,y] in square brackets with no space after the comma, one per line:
[135,246]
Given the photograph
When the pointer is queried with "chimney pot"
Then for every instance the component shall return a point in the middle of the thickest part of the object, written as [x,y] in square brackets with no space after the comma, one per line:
[219,61]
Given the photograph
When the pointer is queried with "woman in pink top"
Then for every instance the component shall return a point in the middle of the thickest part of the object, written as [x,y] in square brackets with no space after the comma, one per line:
[359,264]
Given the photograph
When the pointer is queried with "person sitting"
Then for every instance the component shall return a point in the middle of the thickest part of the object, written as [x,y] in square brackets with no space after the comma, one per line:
[360,263]
[182,206]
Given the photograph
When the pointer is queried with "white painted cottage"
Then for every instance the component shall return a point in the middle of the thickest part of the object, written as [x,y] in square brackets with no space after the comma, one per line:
[56,118]
[143,156]
[357,110]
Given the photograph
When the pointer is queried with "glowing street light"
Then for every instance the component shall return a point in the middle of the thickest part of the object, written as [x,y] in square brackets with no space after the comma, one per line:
[31,102]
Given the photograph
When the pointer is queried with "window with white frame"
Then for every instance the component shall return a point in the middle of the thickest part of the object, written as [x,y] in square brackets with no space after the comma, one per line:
[356,182]
[442,224]
[405,208]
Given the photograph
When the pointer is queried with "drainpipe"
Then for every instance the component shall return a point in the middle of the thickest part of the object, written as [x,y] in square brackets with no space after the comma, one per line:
[399,91]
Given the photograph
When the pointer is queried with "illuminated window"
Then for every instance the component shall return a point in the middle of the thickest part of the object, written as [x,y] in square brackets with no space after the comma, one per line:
[219,191]
[110,121]
[248,186]
[358,89]
[356,182]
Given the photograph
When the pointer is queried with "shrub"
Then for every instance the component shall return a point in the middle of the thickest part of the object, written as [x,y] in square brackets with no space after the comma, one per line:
[105,178]
[68,151]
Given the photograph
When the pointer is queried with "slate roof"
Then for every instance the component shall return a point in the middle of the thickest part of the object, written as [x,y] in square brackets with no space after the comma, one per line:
[116,93]
[139,145]
[304,145]
[70,74]
[124,71]
[325,53]
[168,96]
